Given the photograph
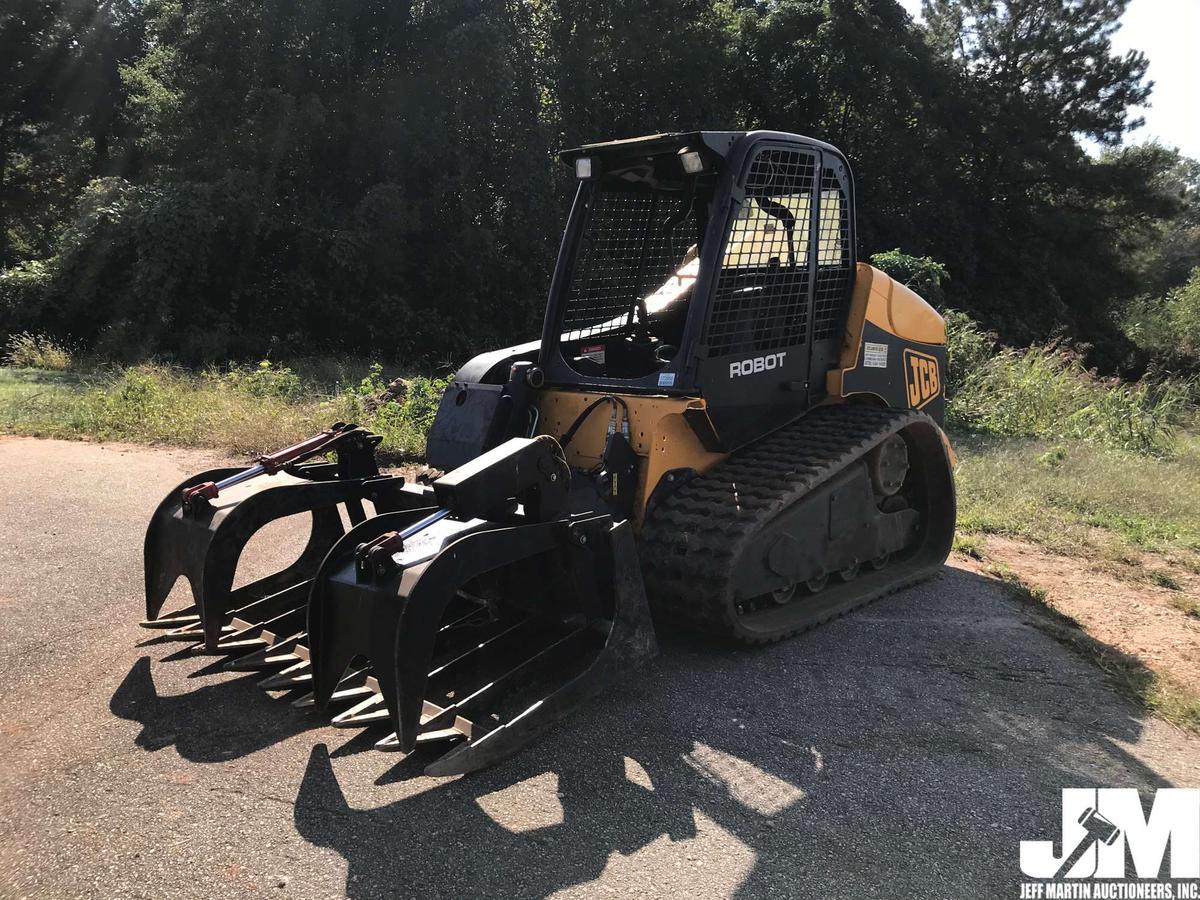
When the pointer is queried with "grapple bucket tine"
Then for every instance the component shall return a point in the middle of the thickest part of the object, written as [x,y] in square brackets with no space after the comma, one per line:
[229,645]
[355,686]
[366,712]
[186,616]
[297,675]
[389,744]
[190,634]
[282,653]
[629,643]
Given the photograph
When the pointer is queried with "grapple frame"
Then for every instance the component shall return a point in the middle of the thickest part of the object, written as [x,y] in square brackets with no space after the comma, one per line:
[411,615]
[199,533]
[431,688]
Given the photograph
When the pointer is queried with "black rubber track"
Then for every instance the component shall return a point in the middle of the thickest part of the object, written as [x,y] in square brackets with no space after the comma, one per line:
[693,540]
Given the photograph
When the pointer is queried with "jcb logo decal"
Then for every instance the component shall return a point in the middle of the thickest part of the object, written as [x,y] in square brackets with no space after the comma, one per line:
[922,376]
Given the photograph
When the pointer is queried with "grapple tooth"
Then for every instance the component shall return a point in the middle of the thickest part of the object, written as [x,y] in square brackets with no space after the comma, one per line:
[389,744]
[368,712]
[229,645]
[461,731]
[356,686]
[441,734]
[281,653]
[189,633]
[352,694]
[189,615]
[294,676]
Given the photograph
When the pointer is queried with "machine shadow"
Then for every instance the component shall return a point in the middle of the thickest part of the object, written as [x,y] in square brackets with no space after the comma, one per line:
[214,723]
[910,745]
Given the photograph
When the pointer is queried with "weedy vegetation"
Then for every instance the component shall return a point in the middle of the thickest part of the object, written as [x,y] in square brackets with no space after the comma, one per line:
[242,409]
[30,351]
[1044,392]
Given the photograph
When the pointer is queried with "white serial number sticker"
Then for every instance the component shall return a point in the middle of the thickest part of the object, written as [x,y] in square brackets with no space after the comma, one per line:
[874,355]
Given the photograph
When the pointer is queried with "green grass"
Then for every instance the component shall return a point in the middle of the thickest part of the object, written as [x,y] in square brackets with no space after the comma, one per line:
[240,410]
[1164,580]
[968,545]
[1019,586]
[1079,498]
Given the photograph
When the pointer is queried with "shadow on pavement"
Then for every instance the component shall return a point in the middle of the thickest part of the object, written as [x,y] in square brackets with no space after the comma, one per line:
[909,748]
[214,723]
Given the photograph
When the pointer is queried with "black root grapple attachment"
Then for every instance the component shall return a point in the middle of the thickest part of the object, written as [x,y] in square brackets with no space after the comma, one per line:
[201,527]
[482,621]
[475,610]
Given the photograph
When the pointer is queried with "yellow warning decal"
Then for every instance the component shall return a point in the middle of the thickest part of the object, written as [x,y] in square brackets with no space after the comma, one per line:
[922,377]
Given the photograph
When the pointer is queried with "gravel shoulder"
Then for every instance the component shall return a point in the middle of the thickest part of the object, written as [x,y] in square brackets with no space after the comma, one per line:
[902,751]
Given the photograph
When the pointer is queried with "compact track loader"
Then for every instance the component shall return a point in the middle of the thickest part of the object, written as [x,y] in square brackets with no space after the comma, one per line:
[728,423]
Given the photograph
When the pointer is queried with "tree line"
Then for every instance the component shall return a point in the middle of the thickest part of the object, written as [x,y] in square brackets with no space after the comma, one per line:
[218,179]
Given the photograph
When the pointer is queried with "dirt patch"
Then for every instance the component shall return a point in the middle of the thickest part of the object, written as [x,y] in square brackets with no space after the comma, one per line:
[1126,611]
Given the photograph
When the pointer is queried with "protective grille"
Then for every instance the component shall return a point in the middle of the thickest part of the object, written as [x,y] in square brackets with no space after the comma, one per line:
[761,298]
[833,259]
[634,242]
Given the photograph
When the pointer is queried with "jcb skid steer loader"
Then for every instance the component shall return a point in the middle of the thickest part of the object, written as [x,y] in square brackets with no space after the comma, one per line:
[728,424]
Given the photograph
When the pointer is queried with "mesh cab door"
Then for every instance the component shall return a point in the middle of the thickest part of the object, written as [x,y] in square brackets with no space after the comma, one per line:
[753,361]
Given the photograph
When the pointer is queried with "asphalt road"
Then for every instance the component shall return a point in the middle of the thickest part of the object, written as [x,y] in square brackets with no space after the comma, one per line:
[903,751]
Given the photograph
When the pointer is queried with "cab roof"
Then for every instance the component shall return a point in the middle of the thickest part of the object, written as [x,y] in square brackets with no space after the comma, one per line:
[720,143]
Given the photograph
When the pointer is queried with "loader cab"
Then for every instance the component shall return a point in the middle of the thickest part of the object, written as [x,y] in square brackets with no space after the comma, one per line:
[712,264]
